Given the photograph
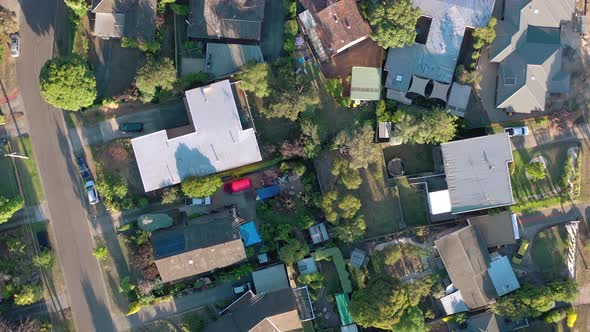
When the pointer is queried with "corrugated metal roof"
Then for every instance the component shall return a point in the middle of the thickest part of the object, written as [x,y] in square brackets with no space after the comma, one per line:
[365,83]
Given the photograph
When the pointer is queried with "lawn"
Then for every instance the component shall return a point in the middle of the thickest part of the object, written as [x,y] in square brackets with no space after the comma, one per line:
[522,187]
[8,186]
[28,172]
[417,157]
[331,279]
[548,252]
[413,202]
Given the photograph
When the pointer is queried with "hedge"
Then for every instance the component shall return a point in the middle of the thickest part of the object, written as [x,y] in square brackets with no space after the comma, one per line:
[338,260]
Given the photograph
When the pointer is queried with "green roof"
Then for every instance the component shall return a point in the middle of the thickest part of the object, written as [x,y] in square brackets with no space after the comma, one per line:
[342,302]
[365,84]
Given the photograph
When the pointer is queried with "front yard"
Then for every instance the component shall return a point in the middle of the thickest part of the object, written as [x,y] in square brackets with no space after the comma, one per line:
[548,252]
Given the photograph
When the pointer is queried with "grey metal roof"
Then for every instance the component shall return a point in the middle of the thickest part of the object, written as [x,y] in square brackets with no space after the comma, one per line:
[233,19]
[225,59]
[495,229]
[459,96]
[466,260]
[270,279]
[477,172]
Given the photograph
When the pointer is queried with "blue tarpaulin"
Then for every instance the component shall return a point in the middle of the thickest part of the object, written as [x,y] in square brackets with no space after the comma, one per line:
[268,192]
[249,234]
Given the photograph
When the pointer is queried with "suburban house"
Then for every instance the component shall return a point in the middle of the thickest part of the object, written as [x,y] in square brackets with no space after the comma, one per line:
[238,20]
[213,141]
[477,175]
[477,277]
[124,18]
[529,50]
[222,60]
[198,246]
[365,84]
[426,68]
[332,26]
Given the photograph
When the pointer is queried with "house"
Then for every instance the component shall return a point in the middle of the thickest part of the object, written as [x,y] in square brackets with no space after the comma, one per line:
[213,141]
[270,279]
[238,20]
[225,59]
[477,173]
[497,229]
[332,26]
[365,84]
[198,246]
[124,18]
[477,277]
[282,310]
[529,50]
[433,57]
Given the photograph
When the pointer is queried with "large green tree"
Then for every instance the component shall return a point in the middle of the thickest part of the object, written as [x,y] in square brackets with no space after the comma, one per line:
[393,22]
[9,206]
[255,78]
[156,73]
[351,230]
[293,251]
[433,127]
[485,35]
[357,145]
[194,186]
[68,83]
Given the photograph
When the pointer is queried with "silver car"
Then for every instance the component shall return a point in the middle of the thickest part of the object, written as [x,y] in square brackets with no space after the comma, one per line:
[517,131]
[92,193]
[14,45]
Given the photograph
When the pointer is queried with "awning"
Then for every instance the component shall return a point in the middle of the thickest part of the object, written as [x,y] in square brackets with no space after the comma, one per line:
[440,91]
[249,234]
[418,85]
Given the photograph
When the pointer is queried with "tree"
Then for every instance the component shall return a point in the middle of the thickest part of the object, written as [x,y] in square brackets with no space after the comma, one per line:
[293,251]
[358,146]
[313,280]
[170,195]
[465,76]
[536,171]
[44,260]
[194,186]
[101,253]
[349,206]
[68,83]
[554,316]
[255,78]
[437,126]
[156,73]
[9,206]
[327,203]
[564,291]
[271,233]
[486,35]
[111,186]
[412,321]
[8,23]
[310,135]
[79,7]
[351,230]
[27,295]
[392,254]
[393,22]
[348,176]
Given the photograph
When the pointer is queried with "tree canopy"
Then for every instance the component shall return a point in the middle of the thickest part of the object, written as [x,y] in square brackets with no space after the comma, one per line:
[393,22]
[79,7]
[255,78]
[351,230]
[433,127]
[347,175]
[68,83]
[196,187]
[9,206]
[358,146]
[335,208]
[155,73]
[293,251]
[485,35]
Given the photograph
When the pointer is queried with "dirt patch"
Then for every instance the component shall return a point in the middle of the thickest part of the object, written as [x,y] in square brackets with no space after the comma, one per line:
[115,157]
[8,72]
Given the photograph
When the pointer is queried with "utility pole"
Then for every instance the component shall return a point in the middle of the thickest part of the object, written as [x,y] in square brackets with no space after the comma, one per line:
[15,155]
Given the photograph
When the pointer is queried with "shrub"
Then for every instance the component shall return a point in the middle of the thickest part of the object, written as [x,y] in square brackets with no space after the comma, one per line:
[235,273]
[181,10]
[142,202]
[291,28]
[465,76]
[133,308]
[44,260]
[155,75]
[9,206]
[571,316]
[293,251]
[170,195]
[536,171]
[101,253]
[192,79]
[205,186]
[290,8]
[392,254]
[110,103]
[554,316]
[28,294]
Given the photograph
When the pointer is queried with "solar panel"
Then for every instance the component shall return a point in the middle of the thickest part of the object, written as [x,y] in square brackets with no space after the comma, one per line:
[169,245]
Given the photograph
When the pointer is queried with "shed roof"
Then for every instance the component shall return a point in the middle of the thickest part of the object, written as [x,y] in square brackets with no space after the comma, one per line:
[365,83]
[496,229]
[502,276]
[217,143]
[342,301]
[477,172]
[307,266]
[318,233]
[226,59]
[231,19]
[270,279]
[201,245]
[459,96]
[453,303]
[357,258]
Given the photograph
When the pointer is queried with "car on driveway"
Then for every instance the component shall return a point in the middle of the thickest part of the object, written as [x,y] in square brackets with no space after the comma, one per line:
[188,201]
[14,45]
[91,192]
[517,131]
[519,254]
[131,127]
[241,288]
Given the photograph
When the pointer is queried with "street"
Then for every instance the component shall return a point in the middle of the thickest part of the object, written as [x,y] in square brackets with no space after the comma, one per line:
[65,199]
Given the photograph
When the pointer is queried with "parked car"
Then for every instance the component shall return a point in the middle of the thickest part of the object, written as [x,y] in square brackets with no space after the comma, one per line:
[84,170]
[131,127]
[188,201]
[14,45]
[238,185]
[92,193]
[242,288]
[519,254]
[517,131]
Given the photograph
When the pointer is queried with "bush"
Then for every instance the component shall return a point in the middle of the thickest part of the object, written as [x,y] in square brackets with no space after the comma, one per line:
[291,28]
[205,186]
[101,253]
[571,316]
[133,308]
[465,76]
[536,171]
[293,251]
[290,8]
[236,272]
[170,195]
[44,260]
[110,103]
[392,254]
[28,294]
[181,10]
[155,75]
[336,89]
[193,79]
[554,316]
[9,206]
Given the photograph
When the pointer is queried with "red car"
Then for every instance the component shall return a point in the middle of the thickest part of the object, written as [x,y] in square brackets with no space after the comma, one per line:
[238,185]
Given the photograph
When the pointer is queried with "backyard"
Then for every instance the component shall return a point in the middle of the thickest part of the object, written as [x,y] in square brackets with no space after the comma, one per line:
[548,252]
[413,202]
[417,158]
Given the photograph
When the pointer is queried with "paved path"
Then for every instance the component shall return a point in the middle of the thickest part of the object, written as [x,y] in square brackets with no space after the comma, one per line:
[82,276]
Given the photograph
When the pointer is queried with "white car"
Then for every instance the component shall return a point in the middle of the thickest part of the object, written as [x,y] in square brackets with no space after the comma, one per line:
[91,192]
[14,45]
[517,131]
[197,201]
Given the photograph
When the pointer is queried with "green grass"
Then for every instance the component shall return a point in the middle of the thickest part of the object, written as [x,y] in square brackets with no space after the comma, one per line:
[8,186]
[548,252]
[414,205]
[417,157]
[522,187]
[27,169]
[530,206]
[308,326]
[251,168]
[331,279]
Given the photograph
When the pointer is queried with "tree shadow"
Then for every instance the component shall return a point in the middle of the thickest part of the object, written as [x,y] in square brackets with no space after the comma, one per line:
[101,317]
[40,15]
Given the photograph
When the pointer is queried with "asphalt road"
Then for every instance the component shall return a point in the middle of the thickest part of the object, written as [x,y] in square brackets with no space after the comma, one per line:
[58,172]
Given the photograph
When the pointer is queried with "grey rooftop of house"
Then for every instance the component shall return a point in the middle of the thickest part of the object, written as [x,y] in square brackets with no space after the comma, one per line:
[231,19]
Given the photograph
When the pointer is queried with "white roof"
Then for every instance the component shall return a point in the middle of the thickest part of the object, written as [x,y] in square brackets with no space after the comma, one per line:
[439,202]
[218,142]
[454,303]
